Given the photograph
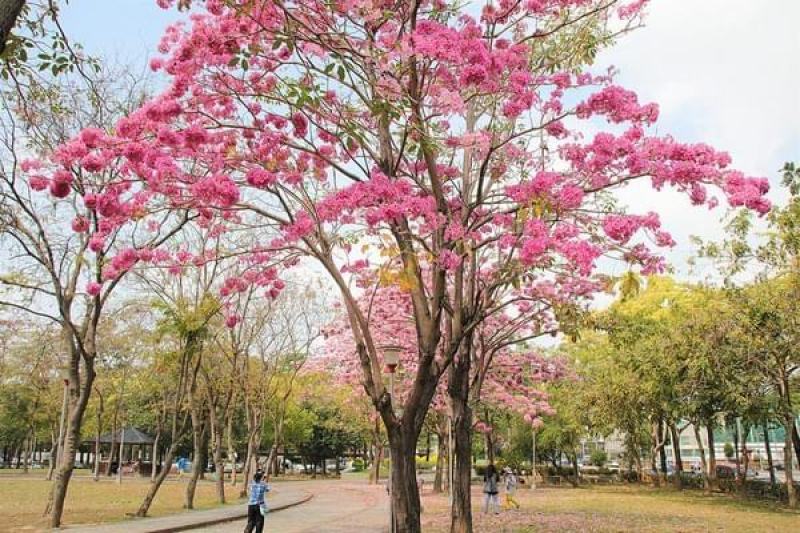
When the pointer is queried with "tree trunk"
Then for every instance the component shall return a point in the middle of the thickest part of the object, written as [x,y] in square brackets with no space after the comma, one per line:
[253,444]
[770,464]
[489,447]
[79,393]
[97,454]
[788,424]
[745,454]
[155,483]
[441,457]
[377,443]
[702,451]
[461,491]
[216,445]
[712,457]
[9,12]
[231,450]
[662,449]
[113,451]
[676,452]
[198,434]
[796,441]
[405,494]
[51,463]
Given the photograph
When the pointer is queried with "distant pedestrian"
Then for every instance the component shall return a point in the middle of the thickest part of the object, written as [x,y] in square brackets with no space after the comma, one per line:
[511,488]
[257,504]
[491,481]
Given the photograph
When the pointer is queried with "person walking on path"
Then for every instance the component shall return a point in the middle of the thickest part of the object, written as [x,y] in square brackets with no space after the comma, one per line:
[511,489]
[491,481]
[257,504]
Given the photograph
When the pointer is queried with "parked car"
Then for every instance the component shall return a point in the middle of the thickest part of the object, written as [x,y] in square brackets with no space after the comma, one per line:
[726,472]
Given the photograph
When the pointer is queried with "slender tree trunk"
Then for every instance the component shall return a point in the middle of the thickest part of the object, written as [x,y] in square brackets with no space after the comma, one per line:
[97,455]
[253,444]
[745,454]
[219,464]
[377,443]
[155,483]
[702,451]
[375,470]
[489,447]
[198,438]
[788,424]
[441,461]
[712,457]
[54,447]
[231,450]
[676,452]
[662,451]
[113,450]
[768,449]
[796,441]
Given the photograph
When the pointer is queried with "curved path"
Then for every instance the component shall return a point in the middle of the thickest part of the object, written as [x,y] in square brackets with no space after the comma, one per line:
[336,507]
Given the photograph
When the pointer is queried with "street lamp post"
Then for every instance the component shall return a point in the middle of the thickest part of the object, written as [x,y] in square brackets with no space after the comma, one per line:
[391,358]
[533,463]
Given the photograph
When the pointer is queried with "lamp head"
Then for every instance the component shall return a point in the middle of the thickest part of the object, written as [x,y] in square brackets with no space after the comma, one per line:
[391,356]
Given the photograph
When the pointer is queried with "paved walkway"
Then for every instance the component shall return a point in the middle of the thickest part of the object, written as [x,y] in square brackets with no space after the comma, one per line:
[284,496]
[336,507]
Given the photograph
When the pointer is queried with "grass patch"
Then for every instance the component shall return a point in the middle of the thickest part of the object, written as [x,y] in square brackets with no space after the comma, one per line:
[619,509]
[88,502]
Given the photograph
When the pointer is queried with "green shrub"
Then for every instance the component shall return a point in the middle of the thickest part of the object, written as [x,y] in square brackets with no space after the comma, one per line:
[358,465]
[729,451]
[599,458]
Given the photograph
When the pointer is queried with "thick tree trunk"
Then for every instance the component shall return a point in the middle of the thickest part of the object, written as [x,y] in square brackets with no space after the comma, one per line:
[405,494]
[9,12]
[79,393]
[461,517]
[458,389]
[768,448]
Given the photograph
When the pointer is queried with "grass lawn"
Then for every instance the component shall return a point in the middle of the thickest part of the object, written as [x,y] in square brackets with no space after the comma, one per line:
[23,498]
[617,509]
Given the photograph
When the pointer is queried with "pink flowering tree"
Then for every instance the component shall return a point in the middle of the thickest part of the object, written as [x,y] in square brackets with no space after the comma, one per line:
[71,229]
[363,135]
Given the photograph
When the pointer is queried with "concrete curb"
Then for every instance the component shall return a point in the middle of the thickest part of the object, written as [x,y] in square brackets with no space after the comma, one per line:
[229,518]
[183,521]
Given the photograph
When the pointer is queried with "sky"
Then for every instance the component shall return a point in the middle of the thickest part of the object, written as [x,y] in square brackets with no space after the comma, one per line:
[724,72]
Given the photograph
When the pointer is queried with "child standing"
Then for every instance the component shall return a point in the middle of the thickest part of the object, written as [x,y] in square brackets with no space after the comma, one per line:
[511,489]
